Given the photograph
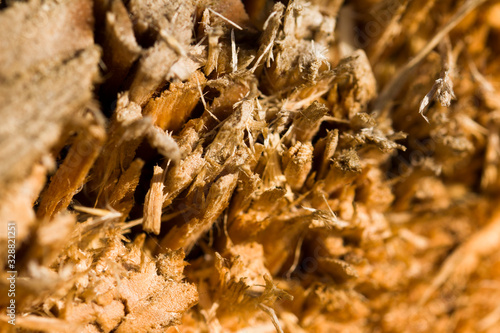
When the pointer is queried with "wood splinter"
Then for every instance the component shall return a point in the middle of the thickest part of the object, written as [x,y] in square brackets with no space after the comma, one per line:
[153,202]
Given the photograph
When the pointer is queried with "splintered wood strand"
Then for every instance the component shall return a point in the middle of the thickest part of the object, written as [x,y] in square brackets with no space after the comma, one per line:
[332,140]
[182,174]
[71,174]
[306,123]
[299,165]
[217,200]
[268,38]
[152,71]
[170,110]
[122,198]
[164,143]
[153,203]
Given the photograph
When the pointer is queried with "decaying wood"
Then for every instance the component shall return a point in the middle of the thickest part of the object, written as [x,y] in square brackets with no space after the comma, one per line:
[257,166]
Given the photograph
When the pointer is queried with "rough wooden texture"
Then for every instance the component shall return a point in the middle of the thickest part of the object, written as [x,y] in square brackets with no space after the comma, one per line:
[251,166]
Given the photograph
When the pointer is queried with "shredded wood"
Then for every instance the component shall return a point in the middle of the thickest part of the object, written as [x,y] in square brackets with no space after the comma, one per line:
[249,166]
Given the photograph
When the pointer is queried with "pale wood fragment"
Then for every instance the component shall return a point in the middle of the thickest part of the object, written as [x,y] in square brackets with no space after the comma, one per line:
[153,202]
